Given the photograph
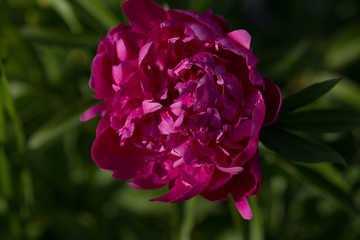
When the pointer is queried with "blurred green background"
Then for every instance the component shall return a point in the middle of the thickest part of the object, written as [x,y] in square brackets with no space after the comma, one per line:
[51,189]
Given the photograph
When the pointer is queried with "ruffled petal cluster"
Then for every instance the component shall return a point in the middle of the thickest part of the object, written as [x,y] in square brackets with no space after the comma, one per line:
[183,105]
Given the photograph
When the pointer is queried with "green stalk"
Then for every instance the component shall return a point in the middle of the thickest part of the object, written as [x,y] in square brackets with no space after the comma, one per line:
[188,222]
[256,228]
[237,220]
[19,202]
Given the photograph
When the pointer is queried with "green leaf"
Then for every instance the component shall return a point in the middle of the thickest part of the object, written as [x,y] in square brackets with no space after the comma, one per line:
[2,124]
[66,11]
[99,12]
[55,128]
[9,106]
[256,225]
[331,173]
[324,120]
[238,222]
[343,48]
[6,186]
[61,38]
[323,183]
[307,95]
[296,148]
[3,48]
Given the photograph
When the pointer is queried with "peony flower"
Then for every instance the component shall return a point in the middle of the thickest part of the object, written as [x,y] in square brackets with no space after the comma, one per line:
[183,105]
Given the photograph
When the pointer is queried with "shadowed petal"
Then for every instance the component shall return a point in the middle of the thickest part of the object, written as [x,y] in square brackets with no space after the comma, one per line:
[124,161]
[273,101]
[141,13]
[192,183]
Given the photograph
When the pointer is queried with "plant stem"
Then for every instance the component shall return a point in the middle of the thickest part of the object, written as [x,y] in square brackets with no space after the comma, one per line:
[187,223]
[237,220]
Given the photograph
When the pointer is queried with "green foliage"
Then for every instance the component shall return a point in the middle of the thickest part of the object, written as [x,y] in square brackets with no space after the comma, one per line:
[51,189]
[296,148]
[307,95]
[321,120]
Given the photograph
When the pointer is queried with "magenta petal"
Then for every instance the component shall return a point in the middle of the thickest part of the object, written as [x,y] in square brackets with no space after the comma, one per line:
[242,37]
[125,161]
[142,13]
[206,94]
[273,101]
[230,45]
[245,155]
[150,106]
[101,77]
[254,168]
[220,20]
[166,125]
[177,193]
[218,179]
[180,191]
[244,208]
[242,131]
[192,16]
[123,70]
[231,170]
[93,112]
[109,46]
[104,124]
[114,32]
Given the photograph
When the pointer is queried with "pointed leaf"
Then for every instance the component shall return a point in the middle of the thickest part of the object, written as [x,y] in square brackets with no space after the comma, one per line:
[311,176]
[55,128]
[61,38]
[256,225]
[99,12]
[307,95]
[66,11]
[296,148]
[9,106]
[324,120]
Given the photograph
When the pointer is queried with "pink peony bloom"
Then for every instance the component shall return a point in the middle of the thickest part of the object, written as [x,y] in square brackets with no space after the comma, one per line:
[183,105]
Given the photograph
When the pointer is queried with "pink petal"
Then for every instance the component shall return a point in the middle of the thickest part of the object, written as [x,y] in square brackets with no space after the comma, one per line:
[242,37]
[220,20]
[128,45]
[166,125]
[180,191]
[254,168]
[206,94]
[218,179]
[187,16]
[150,106]
[244,208]
[231,170]
[104,124]
[273,101]
[229,44]
[125,161]
[242,131]
[109,45]
[101,77]
[142,13]
[113,33]
[122,71]
[93,112]
[245,155]
[199,29]
[144,51]
[176,108]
